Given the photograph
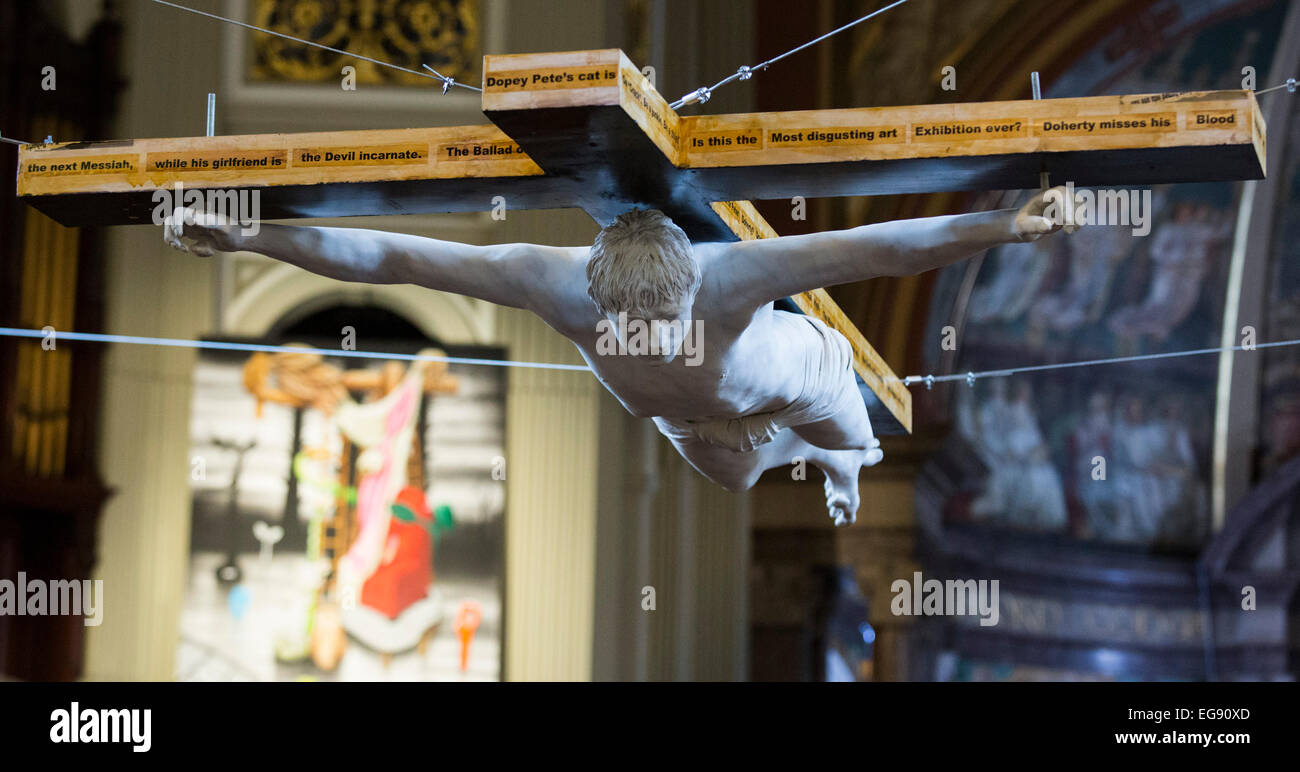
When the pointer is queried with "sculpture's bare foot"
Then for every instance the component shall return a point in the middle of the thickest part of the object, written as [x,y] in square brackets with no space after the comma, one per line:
[874,454]
[841,486]
[842,507]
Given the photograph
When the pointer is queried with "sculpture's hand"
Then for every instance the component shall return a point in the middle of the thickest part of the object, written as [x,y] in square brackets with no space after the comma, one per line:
[1047,212]
[199,233]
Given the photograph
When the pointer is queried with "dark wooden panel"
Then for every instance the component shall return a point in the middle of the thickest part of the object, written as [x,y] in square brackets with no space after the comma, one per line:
[1112,168]
[616,165]
[338,199]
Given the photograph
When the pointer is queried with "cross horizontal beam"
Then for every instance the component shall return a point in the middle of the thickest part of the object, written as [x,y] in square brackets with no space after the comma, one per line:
[586,129]
[1201,136]
[1107,140]
[317,174]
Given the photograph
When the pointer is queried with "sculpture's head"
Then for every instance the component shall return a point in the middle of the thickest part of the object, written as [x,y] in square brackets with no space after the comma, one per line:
[642,267]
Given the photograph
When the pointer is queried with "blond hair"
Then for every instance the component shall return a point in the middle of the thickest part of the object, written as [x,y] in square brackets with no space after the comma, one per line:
[640,263]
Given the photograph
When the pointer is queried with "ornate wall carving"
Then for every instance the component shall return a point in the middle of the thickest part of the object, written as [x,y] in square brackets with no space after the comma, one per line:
[445,34]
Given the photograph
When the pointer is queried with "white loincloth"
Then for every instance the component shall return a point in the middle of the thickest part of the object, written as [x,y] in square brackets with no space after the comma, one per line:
[829,387]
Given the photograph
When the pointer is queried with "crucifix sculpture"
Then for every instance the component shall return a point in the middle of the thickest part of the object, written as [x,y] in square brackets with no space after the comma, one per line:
[681,251]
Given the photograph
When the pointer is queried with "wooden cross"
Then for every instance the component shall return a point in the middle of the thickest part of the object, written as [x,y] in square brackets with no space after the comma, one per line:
[586,129]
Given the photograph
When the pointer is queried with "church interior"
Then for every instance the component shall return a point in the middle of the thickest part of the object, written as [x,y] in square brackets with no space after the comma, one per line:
[1137,520]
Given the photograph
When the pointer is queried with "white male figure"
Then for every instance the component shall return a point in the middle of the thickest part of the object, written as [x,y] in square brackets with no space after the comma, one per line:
[766,388]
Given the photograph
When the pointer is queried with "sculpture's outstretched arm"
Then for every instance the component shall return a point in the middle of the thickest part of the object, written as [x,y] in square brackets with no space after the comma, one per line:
[760,271]
[518,275]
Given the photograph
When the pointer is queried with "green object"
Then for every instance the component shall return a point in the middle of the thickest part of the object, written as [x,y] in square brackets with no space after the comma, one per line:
[404,513]
[442,518]
[314,527]
[302,472]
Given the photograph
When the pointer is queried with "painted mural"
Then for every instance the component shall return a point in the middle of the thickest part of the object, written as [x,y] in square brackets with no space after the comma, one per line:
[1121,453]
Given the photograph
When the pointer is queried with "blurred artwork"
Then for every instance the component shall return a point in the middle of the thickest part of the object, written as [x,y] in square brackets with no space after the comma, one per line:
[1018,272]
[1023,488]
[1157,491]
[1118,453]
[1115,458]
[1181,255]
[1093,255]
[364,513]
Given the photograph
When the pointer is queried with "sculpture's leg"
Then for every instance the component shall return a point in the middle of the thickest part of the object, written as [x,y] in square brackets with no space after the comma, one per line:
[738,470]
[848,429]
